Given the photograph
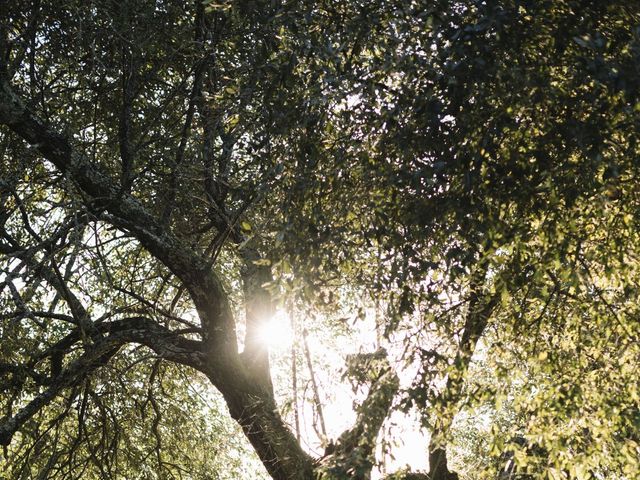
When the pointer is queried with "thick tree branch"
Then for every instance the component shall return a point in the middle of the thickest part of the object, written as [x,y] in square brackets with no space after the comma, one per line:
[259,309]
[353,455]
[165,343]
[249,402]
[481,306]
[124,211]
[93,358]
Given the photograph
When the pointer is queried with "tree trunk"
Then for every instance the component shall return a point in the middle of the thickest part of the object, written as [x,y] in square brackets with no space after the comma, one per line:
[257,414]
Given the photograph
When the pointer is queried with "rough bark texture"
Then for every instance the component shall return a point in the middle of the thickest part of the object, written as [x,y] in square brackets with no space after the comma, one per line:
[250,403]
[243,379]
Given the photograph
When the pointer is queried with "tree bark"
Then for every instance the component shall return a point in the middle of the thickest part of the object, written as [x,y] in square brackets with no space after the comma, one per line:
[243,380]
[250,402]
[481,305]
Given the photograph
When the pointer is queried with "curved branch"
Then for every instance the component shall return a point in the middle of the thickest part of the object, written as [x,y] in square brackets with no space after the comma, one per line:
[89,361]
[481,306]
[161,340]
[167,344]
[353,454]
[249,403]
[126,212]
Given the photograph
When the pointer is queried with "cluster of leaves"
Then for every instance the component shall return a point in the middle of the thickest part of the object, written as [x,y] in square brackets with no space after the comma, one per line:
[499,140]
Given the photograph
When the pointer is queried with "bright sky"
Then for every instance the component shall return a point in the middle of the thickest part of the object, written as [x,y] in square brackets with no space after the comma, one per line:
[408,443]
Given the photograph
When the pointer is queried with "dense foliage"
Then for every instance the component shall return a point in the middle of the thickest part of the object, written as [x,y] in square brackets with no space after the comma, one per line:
[171,171]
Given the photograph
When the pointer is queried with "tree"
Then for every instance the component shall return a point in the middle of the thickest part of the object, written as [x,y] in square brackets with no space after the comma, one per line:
[167,168]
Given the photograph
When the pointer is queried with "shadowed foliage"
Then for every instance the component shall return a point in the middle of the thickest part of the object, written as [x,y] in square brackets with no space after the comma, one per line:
[170,171]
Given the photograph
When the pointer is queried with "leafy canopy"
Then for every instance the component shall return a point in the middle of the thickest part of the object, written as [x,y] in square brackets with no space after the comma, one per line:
[171,171]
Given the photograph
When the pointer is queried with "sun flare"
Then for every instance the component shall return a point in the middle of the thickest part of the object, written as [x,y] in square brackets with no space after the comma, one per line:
[276,332]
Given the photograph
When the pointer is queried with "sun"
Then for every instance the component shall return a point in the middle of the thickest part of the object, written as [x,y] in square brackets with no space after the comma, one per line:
[276,332]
